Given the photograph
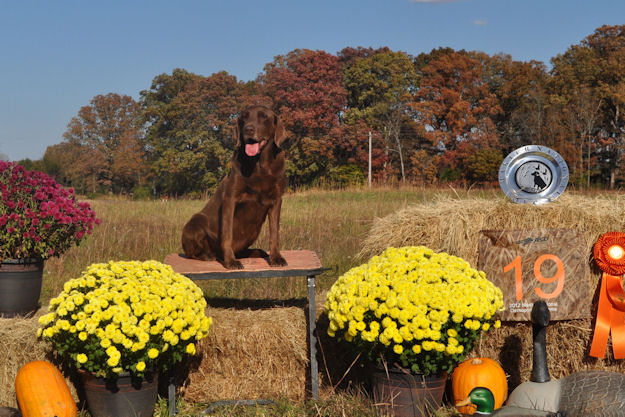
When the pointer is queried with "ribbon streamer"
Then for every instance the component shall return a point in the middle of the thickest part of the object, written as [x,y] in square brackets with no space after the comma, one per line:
[609,254]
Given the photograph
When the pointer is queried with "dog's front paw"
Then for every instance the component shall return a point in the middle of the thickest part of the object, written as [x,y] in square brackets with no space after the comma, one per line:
[277,261]
[234,264]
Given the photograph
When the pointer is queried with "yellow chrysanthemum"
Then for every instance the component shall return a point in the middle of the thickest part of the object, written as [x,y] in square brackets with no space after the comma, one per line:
[413,294]
[121,307]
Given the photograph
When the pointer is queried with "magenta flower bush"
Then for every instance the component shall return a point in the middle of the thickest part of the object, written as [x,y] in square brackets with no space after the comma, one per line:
[39,218]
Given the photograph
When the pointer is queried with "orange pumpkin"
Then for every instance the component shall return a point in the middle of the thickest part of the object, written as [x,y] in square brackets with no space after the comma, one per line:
[479,372]
[42,391]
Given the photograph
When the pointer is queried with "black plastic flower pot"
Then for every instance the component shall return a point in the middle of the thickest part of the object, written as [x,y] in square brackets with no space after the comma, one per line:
[401,393]
[122,396]
[20,286]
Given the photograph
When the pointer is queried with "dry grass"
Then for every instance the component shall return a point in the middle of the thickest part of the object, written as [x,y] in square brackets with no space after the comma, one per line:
[332,223]
[129,230]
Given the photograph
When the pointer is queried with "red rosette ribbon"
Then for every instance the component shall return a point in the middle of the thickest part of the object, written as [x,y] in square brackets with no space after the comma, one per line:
[609,255]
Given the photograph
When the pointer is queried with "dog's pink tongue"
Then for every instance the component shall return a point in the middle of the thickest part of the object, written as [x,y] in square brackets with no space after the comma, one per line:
[251,149]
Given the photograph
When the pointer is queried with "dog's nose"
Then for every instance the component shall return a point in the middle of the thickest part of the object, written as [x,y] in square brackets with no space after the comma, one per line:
[249,130]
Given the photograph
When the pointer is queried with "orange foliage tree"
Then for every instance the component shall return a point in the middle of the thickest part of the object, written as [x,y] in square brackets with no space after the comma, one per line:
[104,140]
[456,107]
[306,90]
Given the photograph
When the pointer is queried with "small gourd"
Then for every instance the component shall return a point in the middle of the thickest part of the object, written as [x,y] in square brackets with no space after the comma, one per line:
[479,373]
[42,391]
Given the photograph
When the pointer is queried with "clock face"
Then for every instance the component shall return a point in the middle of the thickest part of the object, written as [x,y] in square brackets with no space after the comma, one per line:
[533,174]
[533,177]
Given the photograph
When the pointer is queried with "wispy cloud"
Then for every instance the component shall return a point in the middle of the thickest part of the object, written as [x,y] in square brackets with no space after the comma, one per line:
[480,22]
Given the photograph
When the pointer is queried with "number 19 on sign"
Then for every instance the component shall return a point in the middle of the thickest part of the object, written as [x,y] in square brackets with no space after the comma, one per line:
[558,277]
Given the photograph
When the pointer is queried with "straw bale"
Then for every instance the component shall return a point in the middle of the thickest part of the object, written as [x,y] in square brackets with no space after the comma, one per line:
[18,346]
[453,226]
[251,354]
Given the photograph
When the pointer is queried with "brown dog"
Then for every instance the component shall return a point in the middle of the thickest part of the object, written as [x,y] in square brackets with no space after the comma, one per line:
[231,220]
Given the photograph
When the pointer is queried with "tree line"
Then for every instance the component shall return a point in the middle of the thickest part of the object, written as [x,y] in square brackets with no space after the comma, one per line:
[446,115]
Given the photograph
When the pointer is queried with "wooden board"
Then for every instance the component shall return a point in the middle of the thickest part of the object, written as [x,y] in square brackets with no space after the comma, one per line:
[529,265]
[299,263]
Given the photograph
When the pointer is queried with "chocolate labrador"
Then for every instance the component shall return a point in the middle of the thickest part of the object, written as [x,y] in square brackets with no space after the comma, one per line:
[232,219]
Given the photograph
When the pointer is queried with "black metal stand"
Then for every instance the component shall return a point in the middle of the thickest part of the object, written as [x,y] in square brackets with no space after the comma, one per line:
[171,394]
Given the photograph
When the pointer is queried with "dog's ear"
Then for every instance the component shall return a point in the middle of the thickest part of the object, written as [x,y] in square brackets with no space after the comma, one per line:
[280,133]
[236,133]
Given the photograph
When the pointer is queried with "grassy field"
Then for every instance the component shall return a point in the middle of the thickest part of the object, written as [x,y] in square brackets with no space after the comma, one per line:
[332,223]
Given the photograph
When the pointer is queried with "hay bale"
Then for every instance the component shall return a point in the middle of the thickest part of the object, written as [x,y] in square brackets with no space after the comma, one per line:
[453,226]
[251,354]
[18,346]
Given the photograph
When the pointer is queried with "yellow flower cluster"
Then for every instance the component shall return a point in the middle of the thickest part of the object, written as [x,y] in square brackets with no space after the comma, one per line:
[126,316]
[414,303]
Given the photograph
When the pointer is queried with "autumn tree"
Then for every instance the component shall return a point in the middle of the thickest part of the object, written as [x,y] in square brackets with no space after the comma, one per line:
[159,118]
[129,168]
[456,108]
[349,54]
[423,59]
[63,162]
[425,167]
[352,149]
[189,135]
[592,74]
[72,164]
[29,164]
[97,133]
[582,113]
[306,90]
[521,89]
[203,138]
[381,88]
[55,163]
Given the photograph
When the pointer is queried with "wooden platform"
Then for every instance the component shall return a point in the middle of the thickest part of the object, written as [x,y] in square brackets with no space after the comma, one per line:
[299,263]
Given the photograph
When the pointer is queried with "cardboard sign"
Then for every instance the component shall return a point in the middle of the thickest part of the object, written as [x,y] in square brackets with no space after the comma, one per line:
[529,265]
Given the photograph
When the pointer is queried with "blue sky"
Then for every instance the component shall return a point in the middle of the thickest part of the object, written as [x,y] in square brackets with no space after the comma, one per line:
[55,56]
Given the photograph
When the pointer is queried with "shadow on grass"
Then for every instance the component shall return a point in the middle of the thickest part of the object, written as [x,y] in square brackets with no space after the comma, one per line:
[255,304]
